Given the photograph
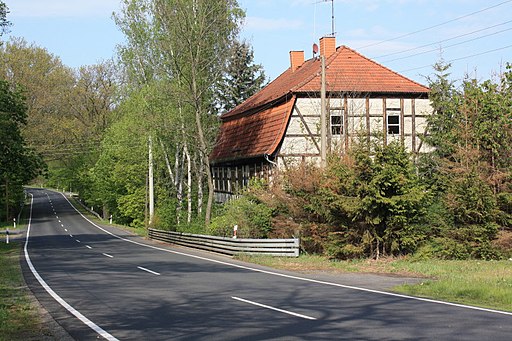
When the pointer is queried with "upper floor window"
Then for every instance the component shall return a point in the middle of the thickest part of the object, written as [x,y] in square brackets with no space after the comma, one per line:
[393,121]
[337,122]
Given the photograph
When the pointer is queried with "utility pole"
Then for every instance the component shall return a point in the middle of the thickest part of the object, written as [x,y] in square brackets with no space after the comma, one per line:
[151,188]
[323,116]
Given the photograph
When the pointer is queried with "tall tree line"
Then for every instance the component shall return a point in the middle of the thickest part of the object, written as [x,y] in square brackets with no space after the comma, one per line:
[176,65]
[18,163]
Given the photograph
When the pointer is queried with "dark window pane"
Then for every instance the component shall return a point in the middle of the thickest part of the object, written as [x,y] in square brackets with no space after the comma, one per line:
[335,120]
[394,130]
[336,130]
[393,119]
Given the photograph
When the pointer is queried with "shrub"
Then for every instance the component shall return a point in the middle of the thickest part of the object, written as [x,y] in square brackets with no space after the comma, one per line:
[253,219]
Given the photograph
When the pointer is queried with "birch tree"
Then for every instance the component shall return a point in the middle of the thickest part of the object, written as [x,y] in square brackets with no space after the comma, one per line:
[182,45]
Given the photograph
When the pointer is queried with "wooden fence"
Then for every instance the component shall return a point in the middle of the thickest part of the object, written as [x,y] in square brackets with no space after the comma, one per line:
[230,246]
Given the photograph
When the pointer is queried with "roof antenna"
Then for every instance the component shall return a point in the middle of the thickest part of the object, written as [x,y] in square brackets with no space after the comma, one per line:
[333,33]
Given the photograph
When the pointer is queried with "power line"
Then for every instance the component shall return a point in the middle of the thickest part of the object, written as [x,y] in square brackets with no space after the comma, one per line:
[448,46]
[434,26]
[442,41]
[461,58]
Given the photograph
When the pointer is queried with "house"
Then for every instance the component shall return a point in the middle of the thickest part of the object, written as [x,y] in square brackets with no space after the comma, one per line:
[280,125]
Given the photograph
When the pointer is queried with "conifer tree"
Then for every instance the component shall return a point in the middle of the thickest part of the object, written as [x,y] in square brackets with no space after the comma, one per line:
[242,78]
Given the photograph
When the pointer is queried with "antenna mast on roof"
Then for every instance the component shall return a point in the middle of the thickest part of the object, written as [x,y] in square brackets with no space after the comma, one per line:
[333,33]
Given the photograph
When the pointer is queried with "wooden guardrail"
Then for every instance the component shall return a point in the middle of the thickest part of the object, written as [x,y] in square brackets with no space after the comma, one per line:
[230,246]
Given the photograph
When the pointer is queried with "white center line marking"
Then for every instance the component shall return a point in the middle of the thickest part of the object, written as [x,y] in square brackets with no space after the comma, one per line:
[71,235]
[272,308]
[150,271]
[62,225]
[60,221]
[107,255]
[87,246]
[66,230]
[77,241]
[56,216]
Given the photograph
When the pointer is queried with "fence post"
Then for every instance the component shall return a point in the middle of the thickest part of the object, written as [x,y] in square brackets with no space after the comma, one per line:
[296,244]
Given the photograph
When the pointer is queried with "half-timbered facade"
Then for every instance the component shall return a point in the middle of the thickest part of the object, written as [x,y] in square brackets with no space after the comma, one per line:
[280,125]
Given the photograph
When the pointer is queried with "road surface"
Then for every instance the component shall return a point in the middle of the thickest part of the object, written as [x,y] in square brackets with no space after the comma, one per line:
[101,282]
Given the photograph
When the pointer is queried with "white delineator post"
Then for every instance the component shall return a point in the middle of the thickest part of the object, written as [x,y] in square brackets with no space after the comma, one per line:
[235,228]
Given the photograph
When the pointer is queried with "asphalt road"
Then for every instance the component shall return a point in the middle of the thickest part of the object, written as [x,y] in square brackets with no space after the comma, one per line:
[99,281]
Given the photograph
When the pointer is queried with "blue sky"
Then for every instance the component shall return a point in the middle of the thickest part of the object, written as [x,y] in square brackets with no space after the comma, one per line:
[405,35]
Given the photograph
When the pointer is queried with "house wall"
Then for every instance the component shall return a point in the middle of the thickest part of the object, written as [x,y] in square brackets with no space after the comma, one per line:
[229,180]
[368,115]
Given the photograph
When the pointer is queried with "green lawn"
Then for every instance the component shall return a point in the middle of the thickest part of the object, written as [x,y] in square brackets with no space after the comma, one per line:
[19,318]
[480,283]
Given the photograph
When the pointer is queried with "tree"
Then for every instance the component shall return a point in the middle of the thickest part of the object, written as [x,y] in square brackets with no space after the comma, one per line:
[179,46]
[242,77]
[46,83]
[4,23]
[18,164]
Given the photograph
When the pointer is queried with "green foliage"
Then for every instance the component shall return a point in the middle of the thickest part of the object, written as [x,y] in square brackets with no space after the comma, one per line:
[4,23]
[18,163]
[242,77]
[470,200]
[253,219]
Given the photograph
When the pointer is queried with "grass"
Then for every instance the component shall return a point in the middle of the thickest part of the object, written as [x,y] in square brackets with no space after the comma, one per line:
[485,284]
[19,317]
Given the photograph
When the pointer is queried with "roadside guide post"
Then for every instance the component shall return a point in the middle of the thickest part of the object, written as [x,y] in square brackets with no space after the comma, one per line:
[235,228]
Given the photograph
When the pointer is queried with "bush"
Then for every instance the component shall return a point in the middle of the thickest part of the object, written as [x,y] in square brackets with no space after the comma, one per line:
[337,248]
[253,219]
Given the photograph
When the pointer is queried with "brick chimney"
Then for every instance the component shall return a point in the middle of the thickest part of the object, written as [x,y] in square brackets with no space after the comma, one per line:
[327,46]
[296,59]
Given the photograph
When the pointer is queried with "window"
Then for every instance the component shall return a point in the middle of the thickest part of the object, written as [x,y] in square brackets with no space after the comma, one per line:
[393,121]
[336,122]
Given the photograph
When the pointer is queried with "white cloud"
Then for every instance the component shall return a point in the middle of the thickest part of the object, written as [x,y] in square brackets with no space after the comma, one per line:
[267,24]
[61,8]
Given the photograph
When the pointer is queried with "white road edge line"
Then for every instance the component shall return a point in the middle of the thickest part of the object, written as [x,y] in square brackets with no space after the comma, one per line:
[273,308]
[107,255]
[310,280]
[147,270]
[52,293]
[77,241]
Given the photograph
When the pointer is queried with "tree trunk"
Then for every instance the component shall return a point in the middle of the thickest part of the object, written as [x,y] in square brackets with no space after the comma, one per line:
[189,183]
[203,149]
[200,186]
[179,188]
[167,163]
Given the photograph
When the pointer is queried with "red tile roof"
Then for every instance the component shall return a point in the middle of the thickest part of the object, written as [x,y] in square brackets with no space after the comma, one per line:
[253,129]
[253,135]
[346,71]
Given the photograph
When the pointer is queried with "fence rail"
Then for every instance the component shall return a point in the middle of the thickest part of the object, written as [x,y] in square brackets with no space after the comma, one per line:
[230,246]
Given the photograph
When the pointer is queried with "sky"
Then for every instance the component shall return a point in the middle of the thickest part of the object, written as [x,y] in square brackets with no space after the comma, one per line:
[407,36]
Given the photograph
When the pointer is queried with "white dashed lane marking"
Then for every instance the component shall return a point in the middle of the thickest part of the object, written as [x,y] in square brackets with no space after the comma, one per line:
[147,270]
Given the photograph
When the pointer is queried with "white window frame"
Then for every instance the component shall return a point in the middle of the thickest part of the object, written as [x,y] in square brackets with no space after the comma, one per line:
[337,112]
[393,112]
